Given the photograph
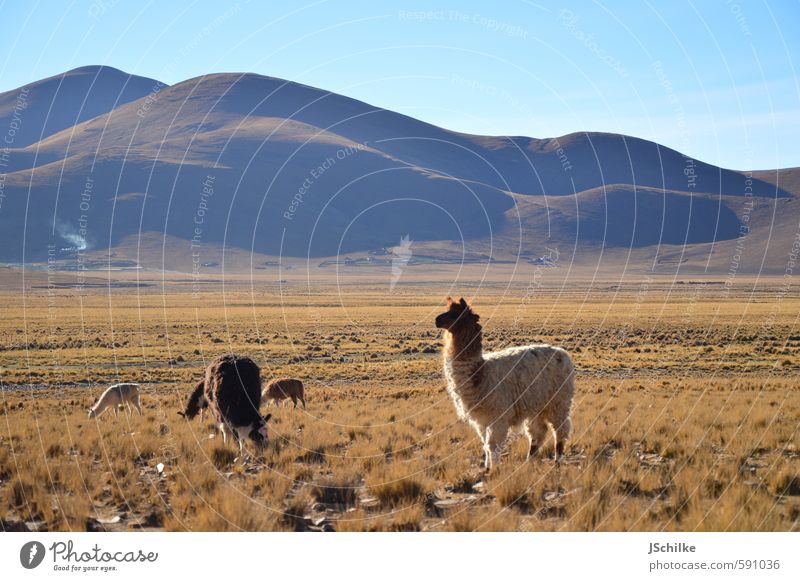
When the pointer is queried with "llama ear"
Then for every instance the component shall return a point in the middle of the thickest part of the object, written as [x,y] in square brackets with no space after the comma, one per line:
[449,301]
[267,418]
[183,415]
[463,303]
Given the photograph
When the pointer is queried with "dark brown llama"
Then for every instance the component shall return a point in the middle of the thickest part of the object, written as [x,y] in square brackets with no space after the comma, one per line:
[232,387]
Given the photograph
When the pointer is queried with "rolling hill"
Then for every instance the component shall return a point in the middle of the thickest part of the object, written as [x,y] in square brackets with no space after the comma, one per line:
[264,165]
[56,103]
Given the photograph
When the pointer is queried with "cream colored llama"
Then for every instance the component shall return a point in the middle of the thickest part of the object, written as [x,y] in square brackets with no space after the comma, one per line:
[528,387]
[117,395]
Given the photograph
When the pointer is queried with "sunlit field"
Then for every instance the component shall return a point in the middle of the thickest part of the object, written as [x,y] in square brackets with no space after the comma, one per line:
[685,417]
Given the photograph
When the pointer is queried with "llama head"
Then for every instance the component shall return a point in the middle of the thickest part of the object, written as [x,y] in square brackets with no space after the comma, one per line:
[92,413]
[458,316]
[259,432]
[197,401]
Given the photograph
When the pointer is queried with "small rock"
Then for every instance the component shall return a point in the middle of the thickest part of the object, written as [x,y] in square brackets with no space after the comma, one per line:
[369,501]
[448,502]
[160,467]
[38,526]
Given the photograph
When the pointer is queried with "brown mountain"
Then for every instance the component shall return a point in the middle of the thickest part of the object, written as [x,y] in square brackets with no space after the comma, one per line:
[266,165]
[45,107]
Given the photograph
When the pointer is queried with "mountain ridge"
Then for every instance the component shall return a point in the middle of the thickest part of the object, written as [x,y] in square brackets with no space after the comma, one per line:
[371,175]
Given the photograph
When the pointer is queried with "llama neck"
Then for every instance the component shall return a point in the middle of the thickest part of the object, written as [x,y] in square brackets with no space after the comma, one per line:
[464,345]
[463,367]
[463,351]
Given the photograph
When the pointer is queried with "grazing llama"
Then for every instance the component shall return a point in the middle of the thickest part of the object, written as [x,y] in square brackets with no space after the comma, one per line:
[197,403]
[278,390]
[115,396]
[233,390]
[529,387]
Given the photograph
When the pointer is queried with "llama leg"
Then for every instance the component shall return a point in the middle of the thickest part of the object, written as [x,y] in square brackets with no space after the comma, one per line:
[562,432]
[487,455]
[302,399]
[482,434]
[294,401]
[138,406]
[536,430]
[495,437]
[237,436]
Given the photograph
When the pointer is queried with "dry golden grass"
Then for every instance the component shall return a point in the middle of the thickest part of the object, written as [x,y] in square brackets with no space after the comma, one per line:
[686,415]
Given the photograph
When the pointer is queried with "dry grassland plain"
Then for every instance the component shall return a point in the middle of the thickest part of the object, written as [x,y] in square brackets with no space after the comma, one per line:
[685,417]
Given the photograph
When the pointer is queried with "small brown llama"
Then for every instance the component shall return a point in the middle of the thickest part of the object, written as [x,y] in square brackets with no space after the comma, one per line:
[284,388]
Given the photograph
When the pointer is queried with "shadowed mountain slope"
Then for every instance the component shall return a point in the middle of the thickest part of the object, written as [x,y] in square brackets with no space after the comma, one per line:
[45,107]
[276,167]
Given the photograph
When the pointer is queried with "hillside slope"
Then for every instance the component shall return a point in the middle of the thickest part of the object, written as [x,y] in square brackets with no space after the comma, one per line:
[279,168]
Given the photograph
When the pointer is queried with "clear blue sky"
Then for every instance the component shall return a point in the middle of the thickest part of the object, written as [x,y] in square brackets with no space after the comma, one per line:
[714,79]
